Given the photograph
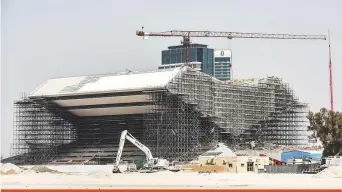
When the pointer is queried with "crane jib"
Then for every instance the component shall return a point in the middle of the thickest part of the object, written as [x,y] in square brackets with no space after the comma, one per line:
[230,35]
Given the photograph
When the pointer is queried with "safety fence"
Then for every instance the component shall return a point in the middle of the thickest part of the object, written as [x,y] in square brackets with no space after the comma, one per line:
[294,169]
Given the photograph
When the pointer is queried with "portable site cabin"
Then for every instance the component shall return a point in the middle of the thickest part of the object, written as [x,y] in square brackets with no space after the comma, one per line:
[225,157]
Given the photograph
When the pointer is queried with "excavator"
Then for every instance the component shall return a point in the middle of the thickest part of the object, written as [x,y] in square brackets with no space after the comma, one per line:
[151,162]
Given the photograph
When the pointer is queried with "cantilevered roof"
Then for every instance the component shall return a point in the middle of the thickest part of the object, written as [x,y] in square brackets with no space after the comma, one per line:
[129,81]
[109,94]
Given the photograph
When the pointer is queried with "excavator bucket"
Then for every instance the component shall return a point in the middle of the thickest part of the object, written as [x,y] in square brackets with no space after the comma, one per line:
[116,171]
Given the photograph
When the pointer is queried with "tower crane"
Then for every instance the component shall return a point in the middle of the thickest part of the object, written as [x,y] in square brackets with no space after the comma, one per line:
[186,35]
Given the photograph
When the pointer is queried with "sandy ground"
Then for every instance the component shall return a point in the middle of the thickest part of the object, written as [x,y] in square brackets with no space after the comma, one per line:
[166,179]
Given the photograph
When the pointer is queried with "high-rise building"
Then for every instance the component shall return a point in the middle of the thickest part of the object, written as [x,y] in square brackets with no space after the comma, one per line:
[222,65]
[212,62]
[201,58]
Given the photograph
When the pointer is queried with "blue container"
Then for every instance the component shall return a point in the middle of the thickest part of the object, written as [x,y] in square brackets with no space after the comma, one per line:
[301,154]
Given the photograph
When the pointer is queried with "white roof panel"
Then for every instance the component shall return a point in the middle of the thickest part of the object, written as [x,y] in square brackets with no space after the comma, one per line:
[105,83]
[130,82]
[53,86]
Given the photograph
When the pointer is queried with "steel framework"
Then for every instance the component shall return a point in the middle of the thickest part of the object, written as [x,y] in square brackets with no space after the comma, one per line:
[45,133]
[197,111]
[39,132]
[176,128]
[191,114]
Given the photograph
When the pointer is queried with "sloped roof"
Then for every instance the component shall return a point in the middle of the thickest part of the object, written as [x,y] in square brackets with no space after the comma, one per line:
[105,83]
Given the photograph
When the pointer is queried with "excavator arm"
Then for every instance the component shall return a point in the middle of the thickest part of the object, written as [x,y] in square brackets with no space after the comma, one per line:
[126,135]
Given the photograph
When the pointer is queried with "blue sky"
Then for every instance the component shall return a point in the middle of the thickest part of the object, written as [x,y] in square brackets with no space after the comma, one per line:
[42,39]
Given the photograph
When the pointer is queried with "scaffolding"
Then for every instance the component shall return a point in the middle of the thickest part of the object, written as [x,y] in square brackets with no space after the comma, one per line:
[188,116]
[198,111]
[47,133]
[175,127]
[39,132]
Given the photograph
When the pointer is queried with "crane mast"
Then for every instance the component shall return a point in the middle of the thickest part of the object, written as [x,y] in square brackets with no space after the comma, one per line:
[330,77]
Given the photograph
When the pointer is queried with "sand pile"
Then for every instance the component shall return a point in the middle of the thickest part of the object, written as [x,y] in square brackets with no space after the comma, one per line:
[9,168]
[330,172]
[42,169]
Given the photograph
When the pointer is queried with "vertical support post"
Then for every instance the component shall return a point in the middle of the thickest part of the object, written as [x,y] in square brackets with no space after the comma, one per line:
[330,77]
[231,65]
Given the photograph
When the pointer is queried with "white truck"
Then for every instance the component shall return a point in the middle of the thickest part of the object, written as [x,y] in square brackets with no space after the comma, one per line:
[175,166]
[151,162]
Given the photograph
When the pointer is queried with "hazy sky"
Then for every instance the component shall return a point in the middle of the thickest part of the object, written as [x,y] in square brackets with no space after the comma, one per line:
[42,39]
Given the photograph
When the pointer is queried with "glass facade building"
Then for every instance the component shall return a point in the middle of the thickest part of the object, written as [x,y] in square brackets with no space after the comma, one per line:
[202,58]
[222,65]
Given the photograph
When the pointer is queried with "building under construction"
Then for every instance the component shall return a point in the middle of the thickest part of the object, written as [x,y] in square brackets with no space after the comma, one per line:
[177,113]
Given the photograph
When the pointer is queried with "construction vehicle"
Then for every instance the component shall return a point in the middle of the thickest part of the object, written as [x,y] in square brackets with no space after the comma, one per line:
[151,162]
[175,166]
[126,166]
